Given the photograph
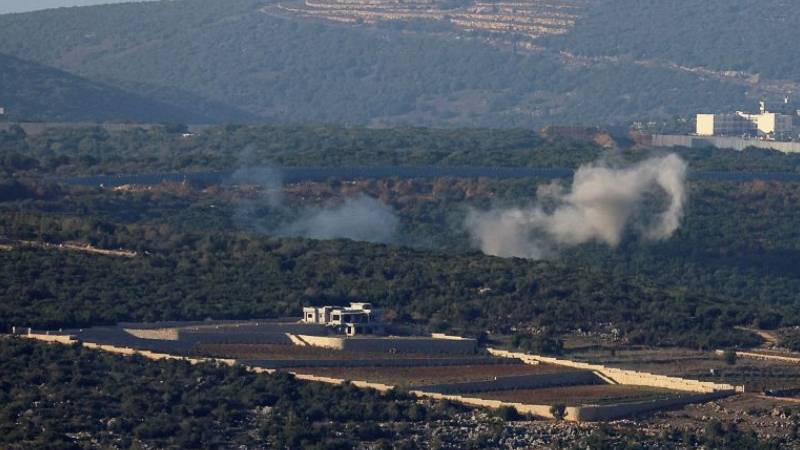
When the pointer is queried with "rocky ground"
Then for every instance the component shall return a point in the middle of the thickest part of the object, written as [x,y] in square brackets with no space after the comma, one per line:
[741,420]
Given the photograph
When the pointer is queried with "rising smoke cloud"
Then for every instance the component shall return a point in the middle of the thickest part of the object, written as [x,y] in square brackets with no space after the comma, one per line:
[359,218]
[602,203]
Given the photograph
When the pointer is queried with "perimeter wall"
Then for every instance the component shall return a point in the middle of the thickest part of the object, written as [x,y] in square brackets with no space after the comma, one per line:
[622,376]
[572,413]
[733,143]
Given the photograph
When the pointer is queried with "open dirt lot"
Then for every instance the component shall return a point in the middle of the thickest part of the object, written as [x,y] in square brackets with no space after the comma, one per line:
[577,395]
[422,375]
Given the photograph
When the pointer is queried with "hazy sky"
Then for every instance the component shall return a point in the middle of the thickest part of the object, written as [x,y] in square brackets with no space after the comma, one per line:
[10,6]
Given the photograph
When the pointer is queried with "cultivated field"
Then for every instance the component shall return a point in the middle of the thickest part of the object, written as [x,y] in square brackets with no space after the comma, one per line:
[294,352]
[754,374]
[581,395]
[422,375]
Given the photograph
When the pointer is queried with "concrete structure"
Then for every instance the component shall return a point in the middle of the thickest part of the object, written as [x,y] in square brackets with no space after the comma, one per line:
[622,376]
[788,358]
[765,124]
[436,344]
[510,383]
[695,391]
[358,318]
[724,125]
[739,144]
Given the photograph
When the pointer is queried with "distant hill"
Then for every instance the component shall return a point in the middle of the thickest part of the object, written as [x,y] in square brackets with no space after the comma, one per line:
[757,37]
[30,91]
[236,60]
[17,6]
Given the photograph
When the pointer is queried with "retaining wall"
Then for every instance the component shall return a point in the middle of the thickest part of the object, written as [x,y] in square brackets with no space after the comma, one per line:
[622,376]
[61,339]
[536,410]
[573,413]
[126,351]
[233,336]
[424,345]
[156,356]
[593,413]
[739,144]
[415,362]
[766,357]
[161,334]
[515,382]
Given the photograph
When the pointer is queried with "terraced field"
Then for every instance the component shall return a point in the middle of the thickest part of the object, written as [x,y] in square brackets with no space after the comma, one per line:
[582,395]
[293,352]
[754,374]
[424,375]
[527,19]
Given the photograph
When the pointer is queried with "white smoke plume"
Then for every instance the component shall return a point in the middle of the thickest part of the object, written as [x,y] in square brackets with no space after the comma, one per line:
[268,179]
[361,219]
[601,205]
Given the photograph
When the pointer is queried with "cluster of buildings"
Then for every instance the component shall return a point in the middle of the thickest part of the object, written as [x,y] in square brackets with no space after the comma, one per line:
[780,122]
[358,318]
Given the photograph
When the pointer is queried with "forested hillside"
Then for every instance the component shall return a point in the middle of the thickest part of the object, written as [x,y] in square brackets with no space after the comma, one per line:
[737,35]
[67,397]
[31,91]
[203,54]
[733,261]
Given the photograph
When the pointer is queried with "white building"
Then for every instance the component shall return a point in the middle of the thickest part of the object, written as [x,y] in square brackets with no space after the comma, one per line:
[358,318]
[765,124]
[724,125]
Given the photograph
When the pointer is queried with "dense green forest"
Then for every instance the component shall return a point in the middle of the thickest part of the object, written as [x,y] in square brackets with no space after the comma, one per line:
[732,262]
[197,276]
[30,91]
[67,397]
[201,54]
[93,151]
[718,34]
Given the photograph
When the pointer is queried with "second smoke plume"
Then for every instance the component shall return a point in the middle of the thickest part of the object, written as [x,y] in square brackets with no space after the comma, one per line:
[601,204]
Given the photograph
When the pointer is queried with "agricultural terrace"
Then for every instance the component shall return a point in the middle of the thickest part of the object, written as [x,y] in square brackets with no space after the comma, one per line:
[425,375]
[754,374]
[581,395]
[294,352]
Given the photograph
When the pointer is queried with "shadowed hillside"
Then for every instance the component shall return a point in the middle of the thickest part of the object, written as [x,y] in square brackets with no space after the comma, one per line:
[281,67]
[31,91]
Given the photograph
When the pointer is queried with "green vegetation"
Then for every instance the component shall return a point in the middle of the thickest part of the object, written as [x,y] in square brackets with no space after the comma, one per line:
[732,262]
[715,435]
[558,411]
[193,275]
[67,397]
[87,151]
[203,54]
[790,339]
[31,91]
[542,344]
[719,34]
[71,152]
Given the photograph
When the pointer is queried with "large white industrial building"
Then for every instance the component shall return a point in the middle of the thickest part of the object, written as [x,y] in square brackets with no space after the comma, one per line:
[766,124]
